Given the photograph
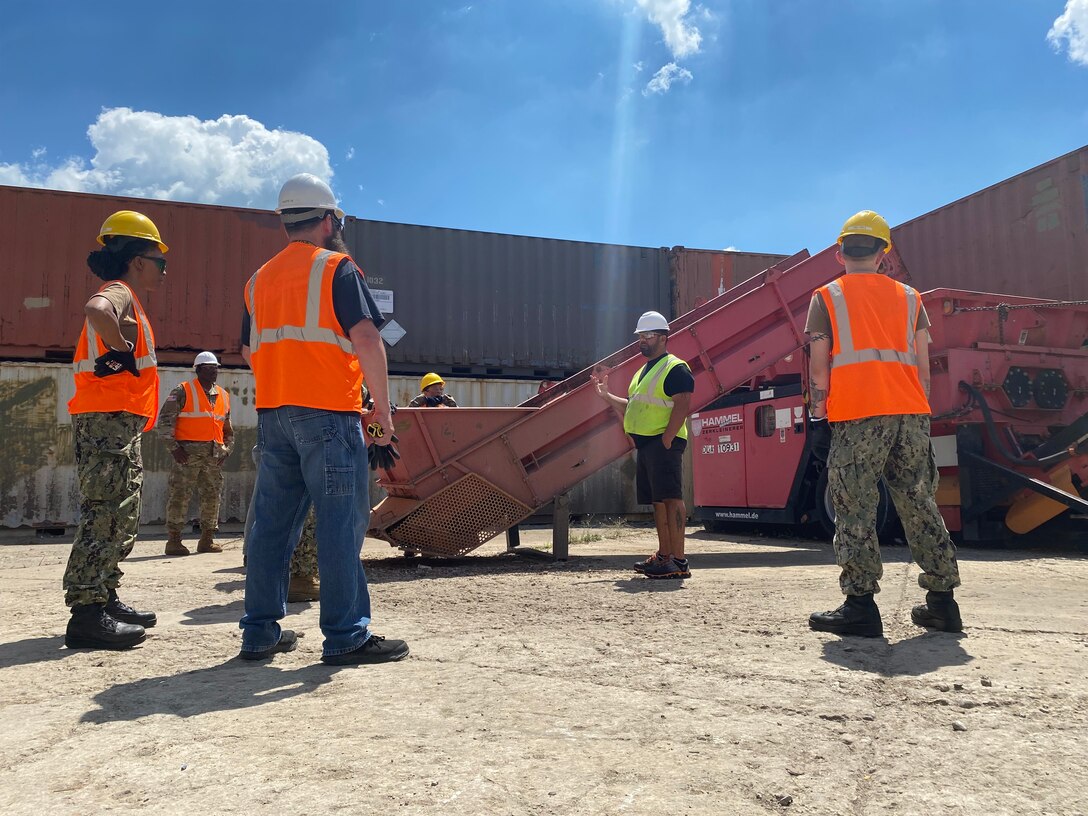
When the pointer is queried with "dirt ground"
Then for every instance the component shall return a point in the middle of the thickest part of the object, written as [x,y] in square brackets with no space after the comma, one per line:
[536,687]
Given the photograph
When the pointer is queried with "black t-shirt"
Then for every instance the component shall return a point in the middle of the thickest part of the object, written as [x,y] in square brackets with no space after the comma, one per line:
[351,300]
[677,381]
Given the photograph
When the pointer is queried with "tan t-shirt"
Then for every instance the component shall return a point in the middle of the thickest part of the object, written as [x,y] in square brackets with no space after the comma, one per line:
[819,321]
[121,301]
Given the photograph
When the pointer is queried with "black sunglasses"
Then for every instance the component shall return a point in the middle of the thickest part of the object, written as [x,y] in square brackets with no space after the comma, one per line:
[159,262]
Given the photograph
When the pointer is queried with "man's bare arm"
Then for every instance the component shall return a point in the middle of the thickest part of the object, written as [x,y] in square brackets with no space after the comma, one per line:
[819,373]
[921,347]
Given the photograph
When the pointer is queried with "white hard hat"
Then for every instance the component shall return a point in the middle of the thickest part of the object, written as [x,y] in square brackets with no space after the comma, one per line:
[306,191]
[205,358]
[652,321]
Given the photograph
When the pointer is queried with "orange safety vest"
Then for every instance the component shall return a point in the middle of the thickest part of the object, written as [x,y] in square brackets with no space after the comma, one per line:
[200,420]
[874,362]
[298,351]
[118,392]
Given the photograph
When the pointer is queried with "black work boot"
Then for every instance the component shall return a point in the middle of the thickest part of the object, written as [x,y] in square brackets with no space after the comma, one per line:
[91,627]
[858,616]
[119,610]
[940,612]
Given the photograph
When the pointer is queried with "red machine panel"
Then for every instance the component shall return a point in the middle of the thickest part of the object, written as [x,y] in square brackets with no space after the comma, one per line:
[718,457]
[774,439]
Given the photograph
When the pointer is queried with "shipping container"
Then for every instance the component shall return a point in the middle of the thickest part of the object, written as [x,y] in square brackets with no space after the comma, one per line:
[47,235]
[697,275]
[1027,235]
[474,303]
[39,488]
[486,304]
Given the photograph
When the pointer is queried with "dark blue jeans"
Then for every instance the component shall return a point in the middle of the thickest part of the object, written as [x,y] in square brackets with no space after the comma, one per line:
[319,456]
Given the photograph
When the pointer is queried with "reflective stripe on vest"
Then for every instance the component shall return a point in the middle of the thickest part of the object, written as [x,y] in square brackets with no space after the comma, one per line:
[86,366]
[648,406]
[123,391]
[874,353]
[299,352]
[848,355]
[201,420]
[312,331]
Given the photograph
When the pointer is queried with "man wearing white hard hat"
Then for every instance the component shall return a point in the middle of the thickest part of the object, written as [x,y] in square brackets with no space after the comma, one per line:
[654,416]
[195,424]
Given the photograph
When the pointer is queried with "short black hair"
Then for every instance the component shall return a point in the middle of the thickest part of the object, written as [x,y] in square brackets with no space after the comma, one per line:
[861,246]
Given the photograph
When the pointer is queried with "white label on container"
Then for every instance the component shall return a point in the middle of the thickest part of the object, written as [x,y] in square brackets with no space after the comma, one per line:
[768,394]
[392,332]
[782,418]
[384,299]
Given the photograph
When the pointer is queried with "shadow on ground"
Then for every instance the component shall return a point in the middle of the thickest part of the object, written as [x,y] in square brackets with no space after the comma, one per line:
[913,657]
[235,684]
[34,650]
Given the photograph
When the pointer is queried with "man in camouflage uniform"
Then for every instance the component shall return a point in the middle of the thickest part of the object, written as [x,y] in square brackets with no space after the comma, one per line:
[869,345]
[198,463]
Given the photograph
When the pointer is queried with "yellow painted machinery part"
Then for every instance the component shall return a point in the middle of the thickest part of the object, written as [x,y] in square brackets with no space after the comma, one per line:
[1035,509]
[948,490]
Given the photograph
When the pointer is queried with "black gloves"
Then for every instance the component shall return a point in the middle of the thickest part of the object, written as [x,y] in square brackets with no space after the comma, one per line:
[433,402]
[114,362]
[820,431]
[382,456]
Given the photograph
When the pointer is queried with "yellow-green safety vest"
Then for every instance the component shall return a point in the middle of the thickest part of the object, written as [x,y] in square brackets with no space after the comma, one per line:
[648,407]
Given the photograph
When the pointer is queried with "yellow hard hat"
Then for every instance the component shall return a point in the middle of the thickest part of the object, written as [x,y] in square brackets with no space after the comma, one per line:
[133,225]
[429,380]
[868,223]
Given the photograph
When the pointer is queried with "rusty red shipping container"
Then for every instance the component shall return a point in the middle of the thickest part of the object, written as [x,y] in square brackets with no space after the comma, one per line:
[1027,236]
[47,235]
[697,275]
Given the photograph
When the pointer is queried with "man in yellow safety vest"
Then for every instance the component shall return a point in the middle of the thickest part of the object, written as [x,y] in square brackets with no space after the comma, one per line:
[654,416]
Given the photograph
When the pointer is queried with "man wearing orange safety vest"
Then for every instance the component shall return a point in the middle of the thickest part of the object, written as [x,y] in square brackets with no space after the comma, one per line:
[116,399]
[869,377]
[195,425]
[310,334]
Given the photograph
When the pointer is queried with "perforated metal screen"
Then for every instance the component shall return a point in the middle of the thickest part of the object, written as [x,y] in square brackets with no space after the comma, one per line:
[458,519]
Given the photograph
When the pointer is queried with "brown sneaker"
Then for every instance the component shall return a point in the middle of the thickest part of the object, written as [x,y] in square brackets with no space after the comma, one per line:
[303,588]
[207,544]
[174,545]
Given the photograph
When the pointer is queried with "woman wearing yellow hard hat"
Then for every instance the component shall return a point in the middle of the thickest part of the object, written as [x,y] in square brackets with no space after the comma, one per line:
[116,400]
[432,393]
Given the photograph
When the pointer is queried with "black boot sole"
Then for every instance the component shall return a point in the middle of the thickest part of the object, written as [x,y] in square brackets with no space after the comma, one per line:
[848,630]
[938,624]
[77,642]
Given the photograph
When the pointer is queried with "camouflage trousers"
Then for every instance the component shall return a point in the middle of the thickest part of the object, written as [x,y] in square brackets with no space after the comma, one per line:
[110,467]
[204,472]
[898,449]
[304,558]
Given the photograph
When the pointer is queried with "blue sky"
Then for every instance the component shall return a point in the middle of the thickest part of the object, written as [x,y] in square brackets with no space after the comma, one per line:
[782,117]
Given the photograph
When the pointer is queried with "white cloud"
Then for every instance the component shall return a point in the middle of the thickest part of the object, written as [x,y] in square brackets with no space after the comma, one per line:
[1072,28]
[638,66]
[232,160]
[381,201]
[730,248]
[671,16]
[350,154]
[664,78]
